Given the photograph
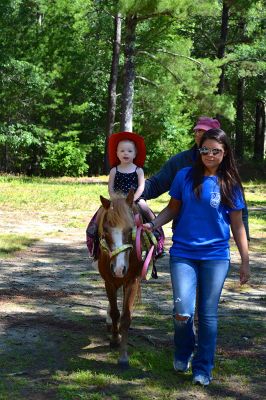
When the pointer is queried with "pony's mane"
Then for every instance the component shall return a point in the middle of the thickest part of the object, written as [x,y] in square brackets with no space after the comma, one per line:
[120,214]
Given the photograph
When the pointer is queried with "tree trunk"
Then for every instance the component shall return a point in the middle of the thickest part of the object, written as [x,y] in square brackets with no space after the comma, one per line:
[129,75]
[239,138]
[112,86]
[259,143]
[222,45]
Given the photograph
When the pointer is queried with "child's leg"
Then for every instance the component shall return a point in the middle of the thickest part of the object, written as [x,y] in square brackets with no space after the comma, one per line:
[148,214]
[92,236]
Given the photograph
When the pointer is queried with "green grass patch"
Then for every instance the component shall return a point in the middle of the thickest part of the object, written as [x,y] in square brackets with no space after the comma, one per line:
[255,194]
[257,223]
[17,383]
[240,366]
[257,245]
[85,384]
[47,194]
[75,224]
[10,243]
[150,375]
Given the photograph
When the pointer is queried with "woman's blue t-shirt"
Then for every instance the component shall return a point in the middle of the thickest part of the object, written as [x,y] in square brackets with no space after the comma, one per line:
[202,231]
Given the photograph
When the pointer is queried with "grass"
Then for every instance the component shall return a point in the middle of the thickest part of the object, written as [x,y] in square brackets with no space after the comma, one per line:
[74,201]
[149,370]
[10,243]
[35,194]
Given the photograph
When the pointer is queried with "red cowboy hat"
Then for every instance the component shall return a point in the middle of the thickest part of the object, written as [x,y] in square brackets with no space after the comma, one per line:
[115,138]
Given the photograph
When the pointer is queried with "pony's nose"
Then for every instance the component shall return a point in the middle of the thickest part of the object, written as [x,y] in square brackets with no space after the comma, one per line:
[119,272]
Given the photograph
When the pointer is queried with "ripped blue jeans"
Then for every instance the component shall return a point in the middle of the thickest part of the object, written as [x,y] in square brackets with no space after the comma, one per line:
[209,277]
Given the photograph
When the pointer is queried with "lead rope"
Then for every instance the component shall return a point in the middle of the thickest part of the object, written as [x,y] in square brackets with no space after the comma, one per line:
[146,255]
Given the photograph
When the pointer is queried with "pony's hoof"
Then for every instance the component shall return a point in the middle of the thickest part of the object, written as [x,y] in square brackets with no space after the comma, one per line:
[123,364]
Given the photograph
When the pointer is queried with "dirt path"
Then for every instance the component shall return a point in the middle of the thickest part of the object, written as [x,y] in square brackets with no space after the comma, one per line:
[52,311]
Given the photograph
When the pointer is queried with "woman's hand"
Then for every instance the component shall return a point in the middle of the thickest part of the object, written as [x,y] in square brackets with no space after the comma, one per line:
[244,272]
[149,226]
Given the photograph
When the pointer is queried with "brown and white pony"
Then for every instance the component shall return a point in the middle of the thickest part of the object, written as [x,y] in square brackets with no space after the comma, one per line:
[119,266]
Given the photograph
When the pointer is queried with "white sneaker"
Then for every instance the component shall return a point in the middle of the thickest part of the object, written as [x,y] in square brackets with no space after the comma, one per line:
[180,366]
[202,380]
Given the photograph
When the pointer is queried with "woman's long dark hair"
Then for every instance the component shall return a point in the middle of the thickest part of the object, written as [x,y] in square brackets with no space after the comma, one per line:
[227,173]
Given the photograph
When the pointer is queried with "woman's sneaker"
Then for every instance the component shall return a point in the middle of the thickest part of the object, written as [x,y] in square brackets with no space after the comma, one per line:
[180,366]
[202,380]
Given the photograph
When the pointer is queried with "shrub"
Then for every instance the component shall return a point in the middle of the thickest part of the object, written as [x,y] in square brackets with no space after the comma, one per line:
[21,147]
[64,159]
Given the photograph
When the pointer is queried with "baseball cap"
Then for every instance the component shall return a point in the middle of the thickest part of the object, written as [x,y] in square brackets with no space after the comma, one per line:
[206,123]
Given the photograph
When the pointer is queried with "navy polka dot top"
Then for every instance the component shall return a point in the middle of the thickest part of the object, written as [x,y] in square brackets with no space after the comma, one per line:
[124,181]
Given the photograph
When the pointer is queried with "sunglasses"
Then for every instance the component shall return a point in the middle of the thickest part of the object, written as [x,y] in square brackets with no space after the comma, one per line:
[206,150]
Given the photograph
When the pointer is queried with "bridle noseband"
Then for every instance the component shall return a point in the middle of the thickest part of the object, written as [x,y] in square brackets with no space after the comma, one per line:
[116,251]
[104,245]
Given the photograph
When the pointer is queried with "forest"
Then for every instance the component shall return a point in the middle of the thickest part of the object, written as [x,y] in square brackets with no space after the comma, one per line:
[74,71]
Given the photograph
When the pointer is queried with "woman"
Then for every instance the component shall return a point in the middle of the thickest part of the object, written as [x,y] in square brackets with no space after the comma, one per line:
[207,199]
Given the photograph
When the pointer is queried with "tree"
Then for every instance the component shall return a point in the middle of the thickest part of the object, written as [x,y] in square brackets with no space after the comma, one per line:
[260,134]
[241,50]
[222,44]
[154,68]
[129,75]
[56,75]
[112,93]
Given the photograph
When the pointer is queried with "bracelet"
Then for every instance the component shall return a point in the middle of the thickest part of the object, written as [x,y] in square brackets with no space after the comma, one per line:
[152,224]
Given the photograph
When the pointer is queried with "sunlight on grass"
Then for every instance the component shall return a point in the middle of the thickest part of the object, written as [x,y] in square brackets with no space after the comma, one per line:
[90,378]
[66,195]
[255,193]
[9,243]
[77,384]
[156,361]
[101,385]
[74,224]
[36,194]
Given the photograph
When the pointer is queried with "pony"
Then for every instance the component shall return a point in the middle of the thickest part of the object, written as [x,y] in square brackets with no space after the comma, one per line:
[119,265]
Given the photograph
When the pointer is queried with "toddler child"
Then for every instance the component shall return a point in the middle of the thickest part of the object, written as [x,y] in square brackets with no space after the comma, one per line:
[127,153]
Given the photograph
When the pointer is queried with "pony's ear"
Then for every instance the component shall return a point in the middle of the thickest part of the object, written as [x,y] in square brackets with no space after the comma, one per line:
[130,197]
[105,202]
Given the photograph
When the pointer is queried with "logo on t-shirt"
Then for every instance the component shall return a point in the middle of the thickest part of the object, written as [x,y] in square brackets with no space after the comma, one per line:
[215,199]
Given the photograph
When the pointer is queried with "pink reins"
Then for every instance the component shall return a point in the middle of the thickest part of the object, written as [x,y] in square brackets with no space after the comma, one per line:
[148,257]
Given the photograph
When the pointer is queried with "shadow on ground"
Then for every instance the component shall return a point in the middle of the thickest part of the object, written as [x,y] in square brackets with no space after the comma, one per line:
[54,343]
